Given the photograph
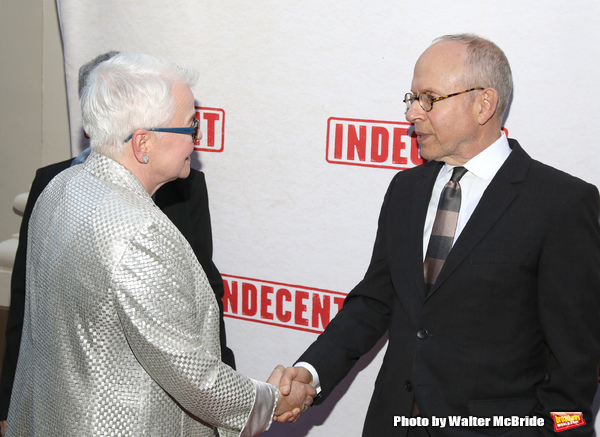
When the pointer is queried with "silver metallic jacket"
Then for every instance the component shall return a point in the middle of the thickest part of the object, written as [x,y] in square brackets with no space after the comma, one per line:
[121,330]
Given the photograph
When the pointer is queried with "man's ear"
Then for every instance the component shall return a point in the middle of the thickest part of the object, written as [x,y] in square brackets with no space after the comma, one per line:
[488,103]
[139,145]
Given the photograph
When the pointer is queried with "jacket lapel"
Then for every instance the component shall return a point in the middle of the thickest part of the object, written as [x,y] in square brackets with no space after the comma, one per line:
[501,192]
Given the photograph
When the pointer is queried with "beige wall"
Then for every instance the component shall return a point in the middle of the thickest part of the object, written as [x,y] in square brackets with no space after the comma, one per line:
[34,129]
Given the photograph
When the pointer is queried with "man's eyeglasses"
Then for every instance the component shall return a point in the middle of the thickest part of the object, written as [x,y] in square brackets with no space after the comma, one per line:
[193,130]
[426,101]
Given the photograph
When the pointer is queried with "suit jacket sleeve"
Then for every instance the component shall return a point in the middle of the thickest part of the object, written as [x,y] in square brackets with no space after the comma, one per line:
[166,309]
[14,326]
[361,322]
[569,308]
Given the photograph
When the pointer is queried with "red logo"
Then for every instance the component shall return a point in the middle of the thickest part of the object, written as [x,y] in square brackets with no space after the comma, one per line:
[371,143]
[563,421]
[212,126]
[290,306]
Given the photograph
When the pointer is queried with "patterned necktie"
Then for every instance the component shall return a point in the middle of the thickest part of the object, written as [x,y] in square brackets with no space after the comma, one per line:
[444,227]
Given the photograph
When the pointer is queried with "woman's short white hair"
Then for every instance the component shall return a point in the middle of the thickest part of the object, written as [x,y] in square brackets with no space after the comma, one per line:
[127,92]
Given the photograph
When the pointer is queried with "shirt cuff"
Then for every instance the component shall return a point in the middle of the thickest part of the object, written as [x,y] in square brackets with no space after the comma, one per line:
[316,382]
[261,416]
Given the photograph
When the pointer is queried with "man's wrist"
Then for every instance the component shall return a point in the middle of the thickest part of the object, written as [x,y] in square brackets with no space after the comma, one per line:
[316,383]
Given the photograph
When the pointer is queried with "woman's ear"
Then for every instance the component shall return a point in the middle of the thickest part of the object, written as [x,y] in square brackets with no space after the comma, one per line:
[139,145]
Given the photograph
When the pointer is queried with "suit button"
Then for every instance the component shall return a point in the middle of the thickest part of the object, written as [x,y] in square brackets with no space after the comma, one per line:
[408,386]
[422,334]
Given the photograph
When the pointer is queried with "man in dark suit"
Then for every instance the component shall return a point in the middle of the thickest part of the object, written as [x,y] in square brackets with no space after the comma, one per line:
[507,324]
[184,201]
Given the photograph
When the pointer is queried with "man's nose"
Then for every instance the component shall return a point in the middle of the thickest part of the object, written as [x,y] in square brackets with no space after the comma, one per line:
[414,112]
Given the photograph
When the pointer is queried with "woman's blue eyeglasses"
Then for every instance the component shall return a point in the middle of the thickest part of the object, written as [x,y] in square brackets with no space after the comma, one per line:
[193,130]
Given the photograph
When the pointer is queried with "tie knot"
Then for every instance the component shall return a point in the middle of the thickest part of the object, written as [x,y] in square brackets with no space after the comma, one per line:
[458,173]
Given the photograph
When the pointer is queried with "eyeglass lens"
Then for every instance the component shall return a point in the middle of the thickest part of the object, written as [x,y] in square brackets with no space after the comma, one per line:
[196,127]
[424,101]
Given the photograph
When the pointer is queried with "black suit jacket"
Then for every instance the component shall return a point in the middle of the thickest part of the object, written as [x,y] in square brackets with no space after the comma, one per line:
[523,278]
[184,201]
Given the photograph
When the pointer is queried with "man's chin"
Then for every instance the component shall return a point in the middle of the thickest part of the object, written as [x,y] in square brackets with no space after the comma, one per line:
[423,153]
[429,152]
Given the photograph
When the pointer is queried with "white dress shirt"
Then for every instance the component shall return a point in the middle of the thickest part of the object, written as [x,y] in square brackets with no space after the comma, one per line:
[481,170]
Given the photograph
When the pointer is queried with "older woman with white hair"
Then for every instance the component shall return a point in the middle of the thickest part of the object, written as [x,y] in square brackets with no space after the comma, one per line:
[121,331]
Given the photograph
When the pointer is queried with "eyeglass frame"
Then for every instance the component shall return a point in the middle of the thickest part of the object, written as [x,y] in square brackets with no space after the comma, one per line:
[193,130]
[432,100]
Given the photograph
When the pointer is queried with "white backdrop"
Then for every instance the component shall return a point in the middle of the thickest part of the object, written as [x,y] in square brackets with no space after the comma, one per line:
[294,226]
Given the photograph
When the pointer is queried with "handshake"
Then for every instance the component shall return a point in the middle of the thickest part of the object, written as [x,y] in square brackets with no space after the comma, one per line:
[295,392]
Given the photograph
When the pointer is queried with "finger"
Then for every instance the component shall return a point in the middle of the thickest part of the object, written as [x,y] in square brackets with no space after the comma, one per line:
[289,416]
[285,385]
[309,400]
[275,376]
[278,371]
[284,418]
[295,415]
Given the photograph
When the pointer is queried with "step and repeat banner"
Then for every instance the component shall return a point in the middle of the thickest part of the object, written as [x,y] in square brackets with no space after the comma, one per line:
[301,110]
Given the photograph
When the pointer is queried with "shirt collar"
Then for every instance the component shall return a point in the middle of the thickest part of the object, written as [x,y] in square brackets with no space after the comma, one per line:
[486,164]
